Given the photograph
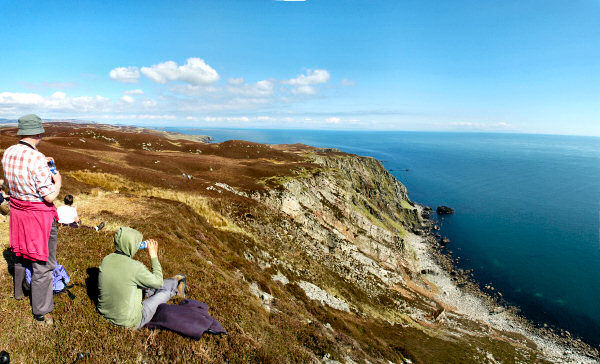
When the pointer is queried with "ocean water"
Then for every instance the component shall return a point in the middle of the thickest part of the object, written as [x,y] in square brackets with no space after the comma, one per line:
[527,207]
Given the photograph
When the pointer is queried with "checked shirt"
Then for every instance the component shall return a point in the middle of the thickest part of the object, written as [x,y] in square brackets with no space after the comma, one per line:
[26,173]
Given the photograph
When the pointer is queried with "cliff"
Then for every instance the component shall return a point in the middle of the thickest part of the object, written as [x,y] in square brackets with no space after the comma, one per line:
[303,254]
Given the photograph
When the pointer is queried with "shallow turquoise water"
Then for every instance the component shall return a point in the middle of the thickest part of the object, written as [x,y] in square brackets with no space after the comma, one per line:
[527,208]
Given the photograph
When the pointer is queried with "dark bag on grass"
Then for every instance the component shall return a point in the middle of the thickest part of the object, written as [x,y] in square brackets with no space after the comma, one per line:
[189,318]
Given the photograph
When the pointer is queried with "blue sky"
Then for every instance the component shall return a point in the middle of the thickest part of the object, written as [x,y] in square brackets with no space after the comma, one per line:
[507,66]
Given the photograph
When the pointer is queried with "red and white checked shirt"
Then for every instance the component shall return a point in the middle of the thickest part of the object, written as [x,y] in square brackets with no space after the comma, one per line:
[26,173]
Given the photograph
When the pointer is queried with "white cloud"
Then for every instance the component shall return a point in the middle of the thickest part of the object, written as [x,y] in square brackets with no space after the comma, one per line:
[228,118]
[23,102]
[195,71]
[156,117]
[125,74]
[191,90]
[305,84]
[312,77]
[260,88]
[305,90]
[149,103]
[128,99]
[333,120]
[14,99]
[134,92]
[235,81]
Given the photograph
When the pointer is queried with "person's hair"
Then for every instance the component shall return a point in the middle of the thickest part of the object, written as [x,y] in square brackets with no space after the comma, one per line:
[68,200]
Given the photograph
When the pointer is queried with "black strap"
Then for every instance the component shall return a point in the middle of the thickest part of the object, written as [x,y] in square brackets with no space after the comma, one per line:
[26,144]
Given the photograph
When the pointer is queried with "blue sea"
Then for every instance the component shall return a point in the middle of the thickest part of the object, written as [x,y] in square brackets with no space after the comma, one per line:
[527,217]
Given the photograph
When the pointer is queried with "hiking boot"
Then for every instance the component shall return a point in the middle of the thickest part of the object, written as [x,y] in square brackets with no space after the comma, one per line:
[44,319]
[181,285]
[100,226]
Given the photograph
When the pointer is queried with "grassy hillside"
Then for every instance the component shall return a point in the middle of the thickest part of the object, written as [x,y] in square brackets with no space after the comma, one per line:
[229,246]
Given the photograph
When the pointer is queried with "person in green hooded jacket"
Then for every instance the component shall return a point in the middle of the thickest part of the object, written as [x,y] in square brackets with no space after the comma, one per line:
[122,279]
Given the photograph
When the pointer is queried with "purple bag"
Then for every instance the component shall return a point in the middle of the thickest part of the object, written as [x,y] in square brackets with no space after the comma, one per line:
[60,278]
[189,318]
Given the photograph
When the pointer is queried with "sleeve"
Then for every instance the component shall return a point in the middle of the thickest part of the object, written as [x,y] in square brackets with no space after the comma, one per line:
[146,279]
[42,177]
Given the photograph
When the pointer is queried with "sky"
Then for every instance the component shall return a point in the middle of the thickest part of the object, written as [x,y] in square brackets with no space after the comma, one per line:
[493,66]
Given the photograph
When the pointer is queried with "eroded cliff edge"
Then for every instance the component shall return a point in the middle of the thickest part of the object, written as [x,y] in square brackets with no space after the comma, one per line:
[304,254]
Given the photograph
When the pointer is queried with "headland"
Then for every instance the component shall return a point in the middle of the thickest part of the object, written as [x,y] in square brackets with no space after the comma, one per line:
[303,254]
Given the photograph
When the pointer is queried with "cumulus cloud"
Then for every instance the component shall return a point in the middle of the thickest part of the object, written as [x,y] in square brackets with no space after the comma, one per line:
[312,77]
[195,72]
[260,88]
[14,99]
[128,99]
[125,74]
[305,84]
[305,90]
[134,92]
[58,101]
[333,120]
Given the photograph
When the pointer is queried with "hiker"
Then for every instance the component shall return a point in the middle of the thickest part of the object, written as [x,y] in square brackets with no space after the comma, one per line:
[33,229]
[121,280]
[67,215]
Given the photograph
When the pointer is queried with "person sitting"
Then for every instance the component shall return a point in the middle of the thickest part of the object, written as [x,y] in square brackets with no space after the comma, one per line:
[122,279]
[67,215]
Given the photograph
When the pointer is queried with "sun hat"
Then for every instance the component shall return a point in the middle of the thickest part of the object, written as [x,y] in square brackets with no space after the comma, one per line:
[30,125]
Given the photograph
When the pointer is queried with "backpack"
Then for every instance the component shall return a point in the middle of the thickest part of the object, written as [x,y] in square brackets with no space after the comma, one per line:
[60,278]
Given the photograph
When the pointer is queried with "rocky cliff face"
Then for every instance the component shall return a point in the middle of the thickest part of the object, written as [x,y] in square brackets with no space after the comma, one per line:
[354,217]
[354,220]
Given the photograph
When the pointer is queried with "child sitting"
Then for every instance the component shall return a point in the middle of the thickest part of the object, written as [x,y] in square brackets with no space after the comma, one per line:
[67,215]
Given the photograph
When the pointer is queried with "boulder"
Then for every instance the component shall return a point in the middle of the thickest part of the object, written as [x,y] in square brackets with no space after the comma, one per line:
[443,210]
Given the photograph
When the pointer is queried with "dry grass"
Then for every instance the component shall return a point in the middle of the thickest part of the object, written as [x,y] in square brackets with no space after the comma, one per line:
[116,183]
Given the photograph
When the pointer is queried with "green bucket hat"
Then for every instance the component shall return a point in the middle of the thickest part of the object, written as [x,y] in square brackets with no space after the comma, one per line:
[30,125]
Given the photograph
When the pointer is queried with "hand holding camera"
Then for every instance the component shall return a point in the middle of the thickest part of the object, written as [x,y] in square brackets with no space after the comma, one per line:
[56,177]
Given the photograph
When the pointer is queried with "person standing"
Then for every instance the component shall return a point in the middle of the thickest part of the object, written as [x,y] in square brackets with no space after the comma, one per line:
[33,229]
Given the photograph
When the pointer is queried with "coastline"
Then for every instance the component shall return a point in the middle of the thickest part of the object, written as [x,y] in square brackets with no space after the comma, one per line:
[458,291]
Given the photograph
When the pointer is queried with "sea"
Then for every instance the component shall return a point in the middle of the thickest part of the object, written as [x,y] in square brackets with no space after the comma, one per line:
[527,208]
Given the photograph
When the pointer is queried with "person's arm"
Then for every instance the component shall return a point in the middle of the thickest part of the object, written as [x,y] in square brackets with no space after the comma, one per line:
[153,279]
[57,185]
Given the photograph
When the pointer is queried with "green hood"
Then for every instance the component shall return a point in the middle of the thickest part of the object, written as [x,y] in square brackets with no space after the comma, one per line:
[127,241]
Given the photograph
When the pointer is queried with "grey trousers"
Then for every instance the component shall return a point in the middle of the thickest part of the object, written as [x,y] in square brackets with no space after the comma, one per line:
[42,300]
[156,297]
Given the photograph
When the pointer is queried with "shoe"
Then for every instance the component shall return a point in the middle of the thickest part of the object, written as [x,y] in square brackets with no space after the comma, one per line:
[181,285]
[44,319]
[18,298]
[100,226]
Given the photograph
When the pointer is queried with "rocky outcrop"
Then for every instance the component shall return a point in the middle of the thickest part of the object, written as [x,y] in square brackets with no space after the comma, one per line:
[444,210]
[354,218]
